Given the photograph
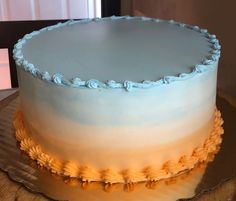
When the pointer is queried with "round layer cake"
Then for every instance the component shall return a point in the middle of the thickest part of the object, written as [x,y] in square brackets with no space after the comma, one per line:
[119,99]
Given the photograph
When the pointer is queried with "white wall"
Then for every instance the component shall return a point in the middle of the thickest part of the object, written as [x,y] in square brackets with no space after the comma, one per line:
[48,9]
[14,10]
[5,81]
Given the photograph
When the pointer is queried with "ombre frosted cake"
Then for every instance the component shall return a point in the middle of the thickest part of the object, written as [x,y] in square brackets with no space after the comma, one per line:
[119,99]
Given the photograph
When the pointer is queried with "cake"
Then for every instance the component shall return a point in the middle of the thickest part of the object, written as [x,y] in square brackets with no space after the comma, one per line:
[118,99]
[172,189]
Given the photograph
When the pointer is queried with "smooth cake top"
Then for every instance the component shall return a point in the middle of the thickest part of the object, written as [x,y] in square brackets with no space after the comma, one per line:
[113,51]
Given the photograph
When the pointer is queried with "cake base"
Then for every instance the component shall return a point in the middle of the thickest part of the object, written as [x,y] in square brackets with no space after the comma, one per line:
[21,169]
[202,153]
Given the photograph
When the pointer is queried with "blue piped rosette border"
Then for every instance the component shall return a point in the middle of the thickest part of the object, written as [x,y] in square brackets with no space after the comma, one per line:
[204,66]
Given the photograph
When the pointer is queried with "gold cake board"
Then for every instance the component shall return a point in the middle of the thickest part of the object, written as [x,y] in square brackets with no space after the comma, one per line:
[191,184]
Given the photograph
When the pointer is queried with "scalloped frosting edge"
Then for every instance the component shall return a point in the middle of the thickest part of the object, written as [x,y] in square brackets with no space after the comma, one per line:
[202,153]
[129,187]
[58,79]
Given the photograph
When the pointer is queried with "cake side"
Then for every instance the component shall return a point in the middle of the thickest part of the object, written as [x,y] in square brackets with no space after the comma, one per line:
[143,126]
[202,153]
[120,126]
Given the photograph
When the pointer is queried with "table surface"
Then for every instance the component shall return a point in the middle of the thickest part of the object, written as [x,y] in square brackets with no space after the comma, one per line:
[12,191]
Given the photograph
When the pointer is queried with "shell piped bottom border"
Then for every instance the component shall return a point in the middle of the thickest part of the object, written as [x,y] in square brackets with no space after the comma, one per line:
[201,154]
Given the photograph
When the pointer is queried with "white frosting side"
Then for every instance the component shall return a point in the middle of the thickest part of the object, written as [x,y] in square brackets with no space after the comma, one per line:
[98,123]
[144,126]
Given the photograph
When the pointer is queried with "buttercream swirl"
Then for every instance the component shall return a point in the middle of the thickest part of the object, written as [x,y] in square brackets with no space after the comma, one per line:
[113,84]
[200,153]
[77,82]
[89,174]
[203,153]
[188,161]
[173,167]
[206,64]
[42,159]
[26,144]
[153,174]
[71,169]
[57,78]
[131,176]
[45,75]
[35,152]
[128,85]
[56,167]
[94,84]
[208,144]
[111,176]
[108,187]
[21,134]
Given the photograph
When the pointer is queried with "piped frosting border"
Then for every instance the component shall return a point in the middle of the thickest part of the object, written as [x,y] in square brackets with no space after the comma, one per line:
[129,187]
[203,153]
[58,79]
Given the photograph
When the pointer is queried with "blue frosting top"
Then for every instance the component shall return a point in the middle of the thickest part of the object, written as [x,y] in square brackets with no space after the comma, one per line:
[117,52]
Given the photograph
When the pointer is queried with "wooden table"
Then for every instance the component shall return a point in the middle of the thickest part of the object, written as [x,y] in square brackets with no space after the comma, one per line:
[12,191]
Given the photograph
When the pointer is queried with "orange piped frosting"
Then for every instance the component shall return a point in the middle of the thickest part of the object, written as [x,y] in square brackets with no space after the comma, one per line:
[71,169]
[42,159]
[26,144]
[89,174]
[56,167]
[152,173]
[131,176]
[35,152]
[188,161]
[202,153]
[20,134]
[111,176]
[173,167]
